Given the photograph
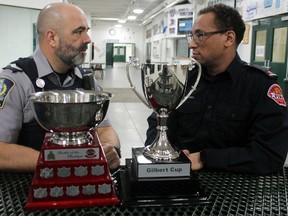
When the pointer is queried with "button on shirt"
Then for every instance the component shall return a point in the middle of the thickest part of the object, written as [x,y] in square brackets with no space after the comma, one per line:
[16,108]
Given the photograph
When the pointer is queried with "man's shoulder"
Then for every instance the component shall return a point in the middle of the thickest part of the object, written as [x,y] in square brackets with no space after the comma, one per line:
[258,69]
[19,64]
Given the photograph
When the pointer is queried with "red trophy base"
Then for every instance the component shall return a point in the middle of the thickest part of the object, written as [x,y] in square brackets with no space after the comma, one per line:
[70,177]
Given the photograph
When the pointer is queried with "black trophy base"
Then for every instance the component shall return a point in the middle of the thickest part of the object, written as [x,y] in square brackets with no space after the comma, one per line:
[146,169]
[160,192]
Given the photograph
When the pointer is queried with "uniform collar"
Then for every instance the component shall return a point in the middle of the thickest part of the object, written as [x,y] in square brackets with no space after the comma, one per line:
[235,68]
[232,71]
[43,65]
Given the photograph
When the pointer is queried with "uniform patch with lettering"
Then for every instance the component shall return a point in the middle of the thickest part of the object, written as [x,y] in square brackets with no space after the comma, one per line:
[275,93]
[6,86]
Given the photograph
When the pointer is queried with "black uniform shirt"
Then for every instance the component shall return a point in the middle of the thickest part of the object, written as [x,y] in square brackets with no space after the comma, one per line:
[238,117]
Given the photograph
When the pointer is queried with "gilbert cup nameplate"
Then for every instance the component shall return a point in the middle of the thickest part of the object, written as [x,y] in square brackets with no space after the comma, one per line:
[71,154]
[163,170]
[146,168]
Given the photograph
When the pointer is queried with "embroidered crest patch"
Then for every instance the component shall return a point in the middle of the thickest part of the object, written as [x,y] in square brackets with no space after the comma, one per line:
[5,87]
[275,93]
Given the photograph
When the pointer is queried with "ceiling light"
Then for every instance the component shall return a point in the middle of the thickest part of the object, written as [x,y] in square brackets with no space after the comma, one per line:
[131,17]
[103,18]
[138,11]
[121,21]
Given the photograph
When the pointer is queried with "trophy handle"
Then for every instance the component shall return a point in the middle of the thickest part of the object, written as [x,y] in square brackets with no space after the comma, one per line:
[193,87]
[136,64]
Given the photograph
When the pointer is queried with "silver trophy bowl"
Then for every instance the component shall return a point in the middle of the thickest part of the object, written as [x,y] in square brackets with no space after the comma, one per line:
[164,87]
[70,114]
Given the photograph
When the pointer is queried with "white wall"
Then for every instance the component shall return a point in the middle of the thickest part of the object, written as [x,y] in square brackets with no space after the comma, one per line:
[163,43]
[36,4]
[126,34]
[244,49]
[256,9]
[16,24]
[16,38]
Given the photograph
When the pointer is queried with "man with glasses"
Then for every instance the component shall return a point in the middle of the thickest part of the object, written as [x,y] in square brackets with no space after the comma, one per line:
[236,120]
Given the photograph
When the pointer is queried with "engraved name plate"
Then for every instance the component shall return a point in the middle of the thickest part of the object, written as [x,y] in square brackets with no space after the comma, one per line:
[71,154]
[146,168]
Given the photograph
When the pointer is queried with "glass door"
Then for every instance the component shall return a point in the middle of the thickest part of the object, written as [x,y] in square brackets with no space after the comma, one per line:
[269,45]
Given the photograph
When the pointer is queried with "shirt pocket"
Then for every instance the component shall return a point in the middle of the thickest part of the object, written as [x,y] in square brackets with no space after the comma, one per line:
[231,122]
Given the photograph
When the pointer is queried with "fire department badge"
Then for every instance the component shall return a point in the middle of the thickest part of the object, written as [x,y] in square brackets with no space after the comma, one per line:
[6,86]
[275,93]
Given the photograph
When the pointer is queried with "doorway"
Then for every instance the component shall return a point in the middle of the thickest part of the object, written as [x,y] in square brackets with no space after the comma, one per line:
[116,52]
[269,45]
[109,54]
[119,53]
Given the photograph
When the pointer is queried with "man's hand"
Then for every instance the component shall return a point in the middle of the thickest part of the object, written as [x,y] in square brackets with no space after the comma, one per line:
[196,163]
[109,139]
[112,156]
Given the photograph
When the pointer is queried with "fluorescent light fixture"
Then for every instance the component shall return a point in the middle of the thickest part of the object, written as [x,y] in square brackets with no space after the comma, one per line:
[137,11]
[104,18]
[131,17]
[121,21]
[118,25]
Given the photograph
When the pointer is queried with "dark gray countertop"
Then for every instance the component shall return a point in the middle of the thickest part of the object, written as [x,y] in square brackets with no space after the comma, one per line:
[229,194]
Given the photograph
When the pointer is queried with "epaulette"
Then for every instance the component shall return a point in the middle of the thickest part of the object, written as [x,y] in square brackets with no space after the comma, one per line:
[13,67]
[264,70]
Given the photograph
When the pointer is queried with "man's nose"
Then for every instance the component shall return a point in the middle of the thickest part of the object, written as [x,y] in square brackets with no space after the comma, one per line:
[192,43]
[87,38]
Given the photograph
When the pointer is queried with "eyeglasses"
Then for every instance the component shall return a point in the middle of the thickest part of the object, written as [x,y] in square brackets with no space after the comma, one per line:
[198,36]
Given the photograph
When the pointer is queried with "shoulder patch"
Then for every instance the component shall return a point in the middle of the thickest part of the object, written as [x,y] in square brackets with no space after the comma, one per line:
[264,70]
[275,93]
[6,86]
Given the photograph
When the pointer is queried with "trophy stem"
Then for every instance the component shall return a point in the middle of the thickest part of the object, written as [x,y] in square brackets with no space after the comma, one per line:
[161,149]
[71,138]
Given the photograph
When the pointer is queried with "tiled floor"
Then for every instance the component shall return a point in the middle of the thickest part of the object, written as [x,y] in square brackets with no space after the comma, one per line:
[129,119]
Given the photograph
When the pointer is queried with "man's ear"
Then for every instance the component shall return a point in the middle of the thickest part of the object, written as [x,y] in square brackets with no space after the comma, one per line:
[230,38]
[52,38]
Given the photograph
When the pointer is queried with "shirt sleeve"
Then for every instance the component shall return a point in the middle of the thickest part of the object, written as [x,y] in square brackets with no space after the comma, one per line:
[15,109]
[266,148]
[151,132]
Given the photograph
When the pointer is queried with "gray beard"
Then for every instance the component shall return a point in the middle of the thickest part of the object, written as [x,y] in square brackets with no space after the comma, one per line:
[71,55]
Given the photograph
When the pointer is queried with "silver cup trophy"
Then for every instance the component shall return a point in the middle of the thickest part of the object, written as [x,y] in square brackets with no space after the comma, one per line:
[164,87]
[70,114]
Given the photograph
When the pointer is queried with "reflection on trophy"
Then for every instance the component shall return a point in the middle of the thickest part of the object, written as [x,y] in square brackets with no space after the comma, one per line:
[159,172]
[72,170]
[164,90]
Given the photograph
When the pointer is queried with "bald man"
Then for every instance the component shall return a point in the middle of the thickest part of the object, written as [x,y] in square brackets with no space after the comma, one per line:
[63,40]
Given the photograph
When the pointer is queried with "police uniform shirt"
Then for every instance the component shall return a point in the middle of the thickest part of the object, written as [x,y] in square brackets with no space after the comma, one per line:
[15,88]
[238,117]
